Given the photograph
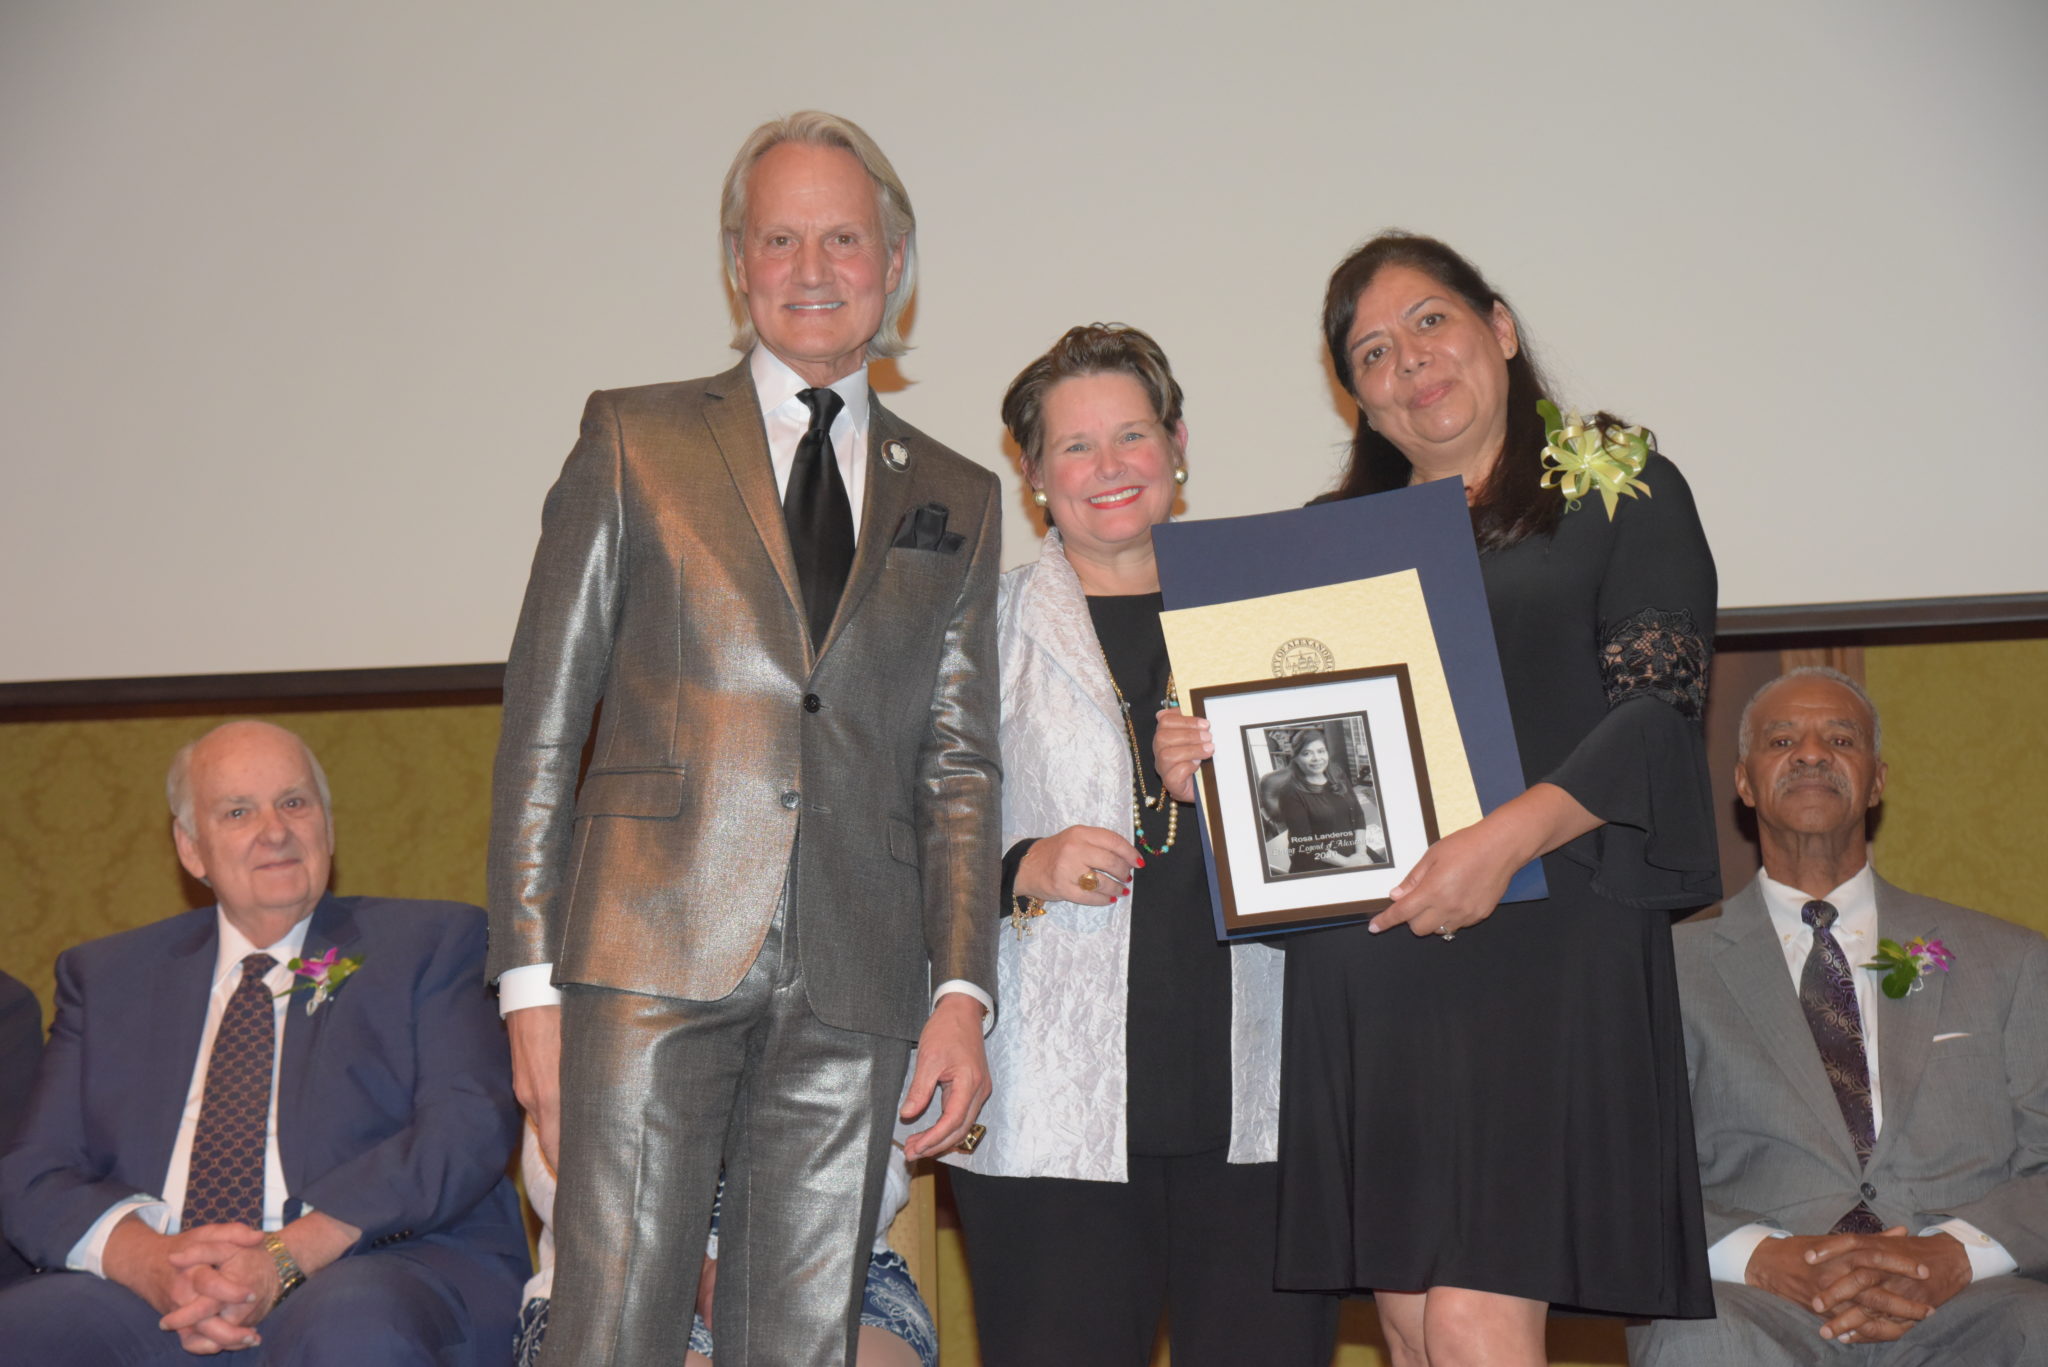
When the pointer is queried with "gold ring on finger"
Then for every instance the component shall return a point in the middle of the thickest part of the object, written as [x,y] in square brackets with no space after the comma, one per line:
[1089,880]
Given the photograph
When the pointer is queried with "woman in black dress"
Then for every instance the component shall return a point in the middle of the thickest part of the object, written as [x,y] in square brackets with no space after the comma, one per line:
[1488,1115]
[1325,823]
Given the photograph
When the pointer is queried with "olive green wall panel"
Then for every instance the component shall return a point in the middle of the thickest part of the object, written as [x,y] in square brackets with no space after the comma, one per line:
[1965,814]
[85,847]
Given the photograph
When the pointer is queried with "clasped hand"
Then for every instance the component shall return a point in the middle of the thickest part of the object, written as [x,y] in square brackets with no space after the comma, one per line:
[232,1288]
[211,1284]
[1866,1288]
[214,1284]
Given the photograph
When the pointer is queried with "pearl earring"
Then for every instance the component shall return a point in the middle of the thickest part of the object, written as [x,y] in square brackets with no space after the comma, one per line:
[1180,476]
[1038,497]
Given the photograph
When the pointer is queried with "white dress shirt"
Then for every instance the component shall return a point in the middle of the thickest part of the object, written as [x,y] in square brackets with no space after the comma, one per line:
[1855,930]
[163,1213]
[786,419]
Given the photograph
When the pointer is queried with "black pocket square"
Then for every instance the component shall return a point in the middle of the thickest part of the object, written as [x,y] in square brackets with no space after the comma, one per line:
[924,529]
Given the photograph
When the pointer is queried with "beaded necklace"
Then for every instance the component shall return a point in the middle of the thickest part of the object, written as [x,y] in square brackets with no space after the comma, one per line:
[1143,799]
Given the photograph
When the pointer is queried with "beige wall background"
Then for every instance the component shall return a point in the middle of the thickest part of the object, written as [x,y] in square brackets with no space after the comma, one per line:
[343,274]
[85,849]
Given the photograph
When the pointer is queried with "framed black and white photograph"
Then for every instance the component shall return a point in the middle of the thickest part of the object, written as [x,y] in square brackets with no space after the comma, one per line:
[1312,781]
[1317,801]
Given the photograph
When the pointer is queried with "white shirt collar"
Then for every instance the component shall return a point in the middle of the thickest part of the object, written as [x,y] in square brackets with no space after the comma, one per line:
[235,947]
[785,419]
[1855,904]
[776,384]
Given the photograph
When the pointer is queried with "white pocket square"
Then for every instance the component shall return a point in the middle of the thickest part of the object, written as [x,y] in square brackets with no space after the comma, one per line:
[1953,1034]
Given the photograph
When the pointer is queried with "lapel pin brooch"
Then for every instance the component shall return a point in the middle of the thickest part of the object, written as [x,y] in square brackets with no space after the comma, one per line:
[1907,965]
[324,977]
[897,456]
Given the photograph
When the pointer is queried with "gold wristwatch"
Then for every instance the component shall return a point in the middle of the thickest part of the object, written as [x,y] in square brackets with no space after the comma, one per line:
[290,1276]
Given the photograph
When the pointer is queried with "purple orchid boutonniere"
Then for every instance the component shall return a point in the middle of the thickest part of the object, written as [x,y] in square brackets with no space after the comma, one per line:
[323,977]
[1906,965]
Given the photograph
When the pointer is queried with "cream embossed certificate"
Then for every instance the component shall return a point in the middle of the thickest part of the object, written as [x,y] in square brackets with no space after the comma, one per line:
[1343,706]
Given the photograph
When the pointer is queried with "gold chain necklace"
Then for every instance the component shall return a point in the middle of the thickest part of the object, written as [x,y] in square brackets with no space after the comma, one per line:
[1141,798]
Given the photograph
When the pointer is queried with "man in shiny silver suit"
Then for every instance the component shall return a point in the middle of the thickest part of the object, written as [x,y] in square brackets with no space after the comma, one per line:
[780,868]
[1875,1168]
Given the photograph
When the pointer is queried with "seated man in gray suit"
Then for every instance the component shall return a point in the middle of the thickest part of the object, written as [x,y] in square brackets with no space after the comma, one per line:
[1875,1167]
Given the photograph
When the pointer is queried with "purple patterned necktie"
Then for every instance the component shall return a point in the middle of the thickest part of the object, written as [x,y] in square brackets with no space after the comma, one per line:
[224,1184]
[1827,993]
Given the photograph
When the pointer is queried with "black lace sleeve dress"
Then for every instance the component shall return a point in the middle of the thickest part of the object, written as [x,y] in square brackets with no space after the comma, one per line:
[1508,1111]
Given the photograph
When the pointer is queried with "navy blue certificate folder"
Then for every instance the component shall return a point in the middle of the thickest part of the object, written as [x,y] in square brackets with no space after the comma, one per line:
[1424,528]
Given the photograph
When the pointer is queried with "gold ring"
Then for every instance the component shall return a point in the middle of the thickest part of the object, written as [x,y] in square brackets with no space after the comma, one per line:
[1088,881]
[971,1141]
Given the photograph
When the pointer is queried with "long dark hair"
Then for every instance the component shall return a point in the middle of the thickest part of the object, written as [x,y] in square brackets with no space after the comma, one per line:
[1510,506]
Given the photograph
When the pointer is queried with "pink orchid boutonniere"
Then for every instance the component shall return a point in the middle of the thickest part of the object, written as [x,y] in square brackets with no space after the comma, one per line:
[323,977]
[1906,965]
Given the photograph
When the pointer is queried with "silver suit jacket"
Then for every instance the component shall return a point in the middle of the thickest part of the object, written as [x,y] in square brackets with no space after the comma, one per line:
[1965,1080]
[664,588]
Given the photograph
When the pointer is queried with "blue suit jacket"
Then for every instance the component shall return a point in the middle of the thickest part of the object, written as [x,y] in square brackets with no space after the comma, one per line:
[395,1106]
[21,1045]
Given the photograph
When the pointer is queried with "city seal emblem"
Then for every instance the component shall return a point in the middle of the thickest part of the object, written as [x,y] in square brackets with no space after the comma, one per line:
[1302,655]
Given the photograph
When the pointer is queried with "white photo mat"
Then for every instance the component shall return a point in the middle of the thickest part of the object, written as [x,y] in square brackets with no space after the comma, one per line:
[1240,718]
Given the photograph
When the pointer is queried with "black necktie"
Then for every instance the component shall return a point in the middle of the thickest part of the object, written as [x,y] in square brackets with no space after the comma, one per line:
[1827,993]
[224,1181]
[818,516]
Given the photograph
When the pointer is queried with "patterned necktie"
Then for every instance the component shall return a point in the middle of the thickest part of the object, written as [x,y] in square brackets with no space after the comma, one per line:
[818,515]
[225,1181]
[1827,993]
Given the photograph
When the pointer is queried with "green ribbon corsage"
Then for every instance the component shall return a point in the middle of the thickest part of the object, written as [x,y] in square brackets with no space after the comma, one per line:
[1580,459]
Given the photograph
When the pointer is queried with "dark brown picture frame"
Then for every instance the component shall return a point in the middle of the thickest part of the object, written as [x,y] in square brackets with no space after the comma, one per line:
[1337,912]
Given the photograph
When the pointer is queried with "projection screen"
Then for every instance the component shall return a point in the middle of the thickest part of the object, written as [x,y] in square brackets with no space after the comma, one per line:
[299,304]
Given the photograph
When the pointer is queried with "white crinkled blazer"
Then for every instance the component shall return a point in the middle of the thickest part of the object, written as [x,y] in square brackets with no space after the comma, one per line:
[1057,1051]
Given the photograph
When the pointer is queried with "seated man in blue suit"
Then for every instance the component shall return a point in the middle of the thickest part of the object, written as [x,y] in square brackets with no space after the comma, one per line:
[1875,1166]
[208,1166]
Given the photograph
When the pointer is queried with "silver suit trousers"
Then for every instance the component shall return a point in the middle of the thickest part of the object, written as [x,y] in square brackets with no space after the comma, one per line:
[657,1094]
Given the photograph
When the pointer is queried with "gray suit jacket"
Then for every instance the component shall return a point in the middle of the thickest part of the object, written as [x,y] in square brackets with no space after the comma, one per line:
[1964,1075]
[664,587]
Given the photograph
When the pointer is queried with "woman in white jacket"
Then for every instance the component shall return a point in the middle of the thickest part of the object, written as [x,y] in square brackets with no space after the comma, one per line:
[1129,1164]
